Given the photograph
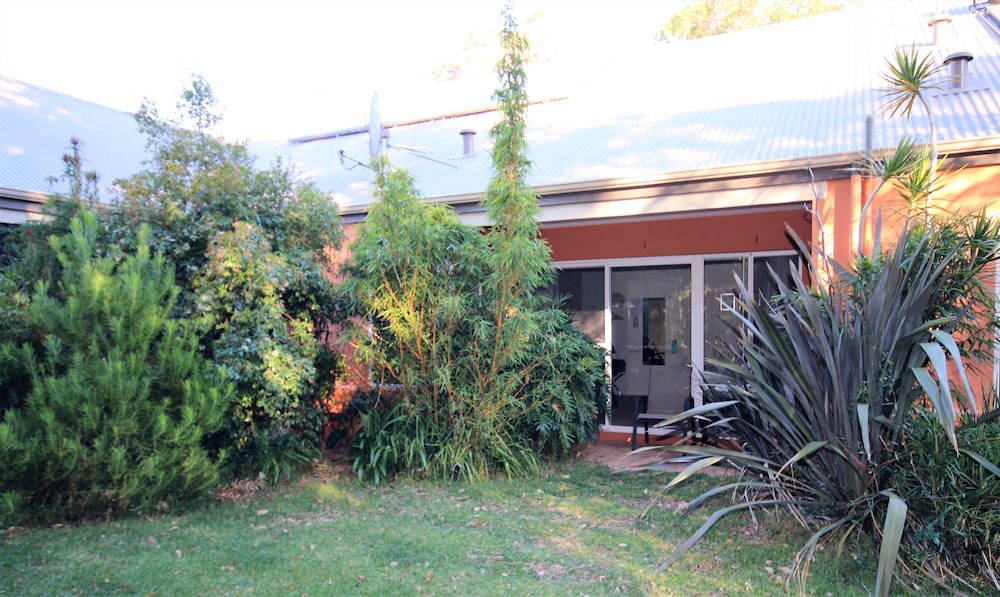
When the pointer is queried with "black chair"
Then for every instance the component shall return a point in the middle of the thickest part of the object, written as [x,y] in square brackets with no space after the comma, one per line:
[641,415]
[617,372]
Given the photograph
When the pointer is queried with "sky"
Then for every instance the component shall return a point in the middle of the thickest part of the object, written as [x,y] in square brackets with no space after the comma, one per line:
[290,68]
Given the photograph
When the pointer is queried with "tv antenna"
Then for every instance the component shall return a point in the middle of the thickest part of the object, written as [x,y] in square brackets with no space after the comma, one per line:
[375,131]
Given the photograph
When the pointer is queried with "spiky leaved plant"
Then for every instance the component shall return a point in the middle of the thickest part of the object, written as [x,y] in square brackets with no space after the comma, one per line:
[815,399]
[824,380]
[910,75]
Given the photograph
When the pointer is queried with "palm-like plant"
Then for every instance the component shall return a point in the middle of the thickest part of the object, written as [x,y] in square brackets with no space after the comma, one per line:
[886,167]
[910,77]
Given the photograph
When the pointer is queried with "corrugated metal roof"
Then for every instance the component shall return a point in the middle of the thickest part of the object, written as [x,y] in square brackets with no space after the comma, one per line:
[800,89]
[36,126]
[796,90]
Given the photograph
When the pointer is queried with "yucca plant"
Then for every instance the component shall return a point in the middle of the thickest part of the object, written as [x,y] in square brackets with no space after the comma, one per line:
[817,394]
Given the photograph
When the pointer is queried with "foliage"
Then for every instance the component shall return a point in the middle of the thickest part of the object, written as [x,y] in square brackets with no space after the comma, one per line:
[415,268]
[270,353]
[252,252]
[910,76]
[953,498]
[566,394]
[116,399]
[25,256]
[489,375]
[704,18]
[822,389]
[414,273]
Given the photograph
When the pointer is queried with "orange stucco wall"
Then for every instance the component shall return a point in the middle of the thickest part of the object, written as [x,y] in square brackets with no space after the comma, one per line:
[728,233]
[835,230]
[968,190]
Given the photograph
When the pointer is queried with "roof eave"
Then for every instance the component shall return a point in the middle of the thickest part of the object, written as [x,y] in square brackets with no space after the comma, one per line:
[844,161]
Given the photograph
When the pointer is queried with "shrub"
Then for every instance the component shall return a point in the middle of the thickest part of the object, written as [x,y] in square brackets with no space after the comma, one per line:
[490,376]
[415,273]
[567,393]
[252,250]
[118,399]
[953,499]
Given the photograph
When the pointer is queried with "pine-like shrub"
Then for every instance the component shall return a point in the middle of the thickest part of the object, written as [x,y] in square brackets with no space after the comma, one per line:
[118,398]
[489,376]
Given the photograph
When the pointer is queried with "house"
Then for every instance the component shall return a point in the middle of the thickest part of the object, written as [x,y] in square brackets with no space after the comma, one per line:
[660,178]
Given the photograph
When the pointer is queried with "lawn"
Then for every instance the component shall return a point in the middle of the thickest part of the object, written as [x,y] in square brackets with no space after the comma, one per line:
[576,529]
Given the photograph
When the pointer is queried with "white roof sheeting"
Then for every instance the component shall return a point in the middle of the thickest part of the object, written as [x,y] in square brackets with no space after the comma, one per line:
[36,126]
[793,91]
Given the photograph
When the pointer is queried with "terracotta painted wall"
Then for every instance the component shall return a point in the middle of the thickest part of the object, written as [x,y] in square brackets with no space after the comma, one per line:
[729,233]
[966,191]
[836,227]
[355,375]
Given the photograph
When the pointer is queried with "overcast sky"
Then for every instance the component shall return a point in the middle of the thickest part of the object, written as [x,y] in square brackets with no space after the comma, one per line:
[289,68]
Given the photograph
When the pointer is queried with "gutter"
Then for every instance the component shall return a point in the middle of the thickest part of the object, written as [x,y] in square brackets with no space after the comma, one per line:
[979,151]
[23,196]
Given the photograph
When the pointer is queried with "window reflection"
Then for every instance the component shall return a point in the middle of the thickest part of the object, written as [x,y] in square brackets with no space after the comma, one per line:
[654,323]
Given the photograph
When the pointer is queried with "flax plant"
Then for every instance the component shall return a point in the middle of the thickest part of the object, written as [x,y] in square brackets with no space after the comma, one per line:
[814,402]
[815,398]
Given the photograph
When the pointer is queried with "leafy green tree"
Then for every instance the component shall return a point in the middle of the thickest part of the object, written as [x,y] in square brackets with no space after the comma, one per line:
[252,248]
[112,401]
[703,18]
[489,376]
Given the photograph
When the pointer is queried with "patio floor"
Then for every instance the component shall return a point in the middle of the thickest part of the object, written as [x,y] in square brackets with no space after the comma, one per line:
[615,451]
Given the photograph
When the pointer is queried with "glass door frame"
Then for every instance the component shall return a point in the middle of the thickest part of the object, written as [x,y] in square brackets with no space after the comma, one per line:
[697,265]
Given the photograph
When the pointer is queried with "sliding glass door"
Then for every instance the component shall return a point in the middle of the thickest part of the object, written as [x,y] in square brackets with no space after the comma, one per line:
[651,337]
[664,323]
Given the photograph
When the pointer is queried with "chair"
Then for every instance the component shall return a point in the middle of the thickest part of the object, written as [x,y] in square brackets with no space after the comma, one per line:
[642,415]
[617,371]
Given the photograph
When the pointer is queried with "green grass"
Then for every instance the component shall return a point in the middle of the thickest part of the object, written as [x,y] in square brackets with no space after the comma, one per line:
[576,529]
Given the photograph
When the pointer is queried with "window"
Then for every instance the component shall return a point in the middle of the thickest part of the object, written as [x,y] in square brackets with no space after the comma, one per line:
[582,291]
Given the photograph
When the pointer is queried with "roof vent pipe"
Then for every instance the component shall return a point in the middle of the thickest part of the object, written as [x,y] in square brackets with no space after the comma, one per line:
[869,128]
[958,69]
[468,148]
[934,24]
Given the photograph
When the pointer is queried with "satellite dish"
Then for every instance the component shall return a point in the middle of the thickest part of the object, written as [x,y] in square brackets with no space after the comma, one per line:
[374,131]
